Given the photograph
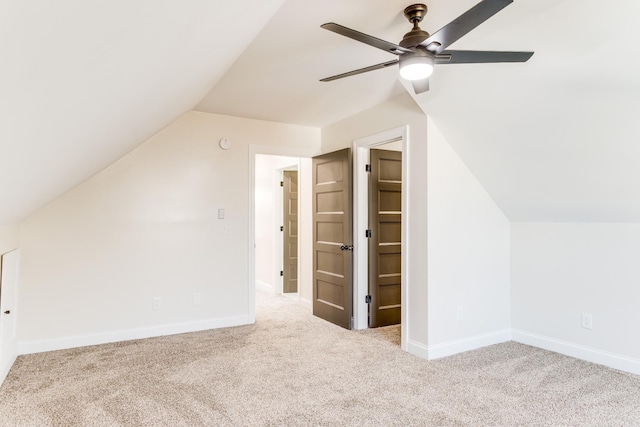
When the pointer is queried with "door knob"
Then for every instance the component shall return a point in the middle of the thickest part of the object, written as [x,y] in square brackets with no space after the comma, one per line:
[7,312]
[346,248]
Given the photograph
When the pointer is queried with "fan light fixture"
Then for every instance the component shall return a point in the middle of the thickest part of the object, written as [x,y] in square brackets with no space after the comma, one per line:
[416,67]
[418,50]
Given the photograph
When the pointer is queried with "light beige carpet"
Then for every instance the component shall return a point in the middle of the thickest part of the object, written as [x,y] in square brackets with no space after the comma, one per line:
[293,369]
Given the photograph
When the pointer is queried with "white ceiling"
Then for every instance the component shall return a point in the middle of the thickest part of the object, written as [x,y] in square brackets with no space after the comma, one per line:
[554,139]
[277,77]
[84,82]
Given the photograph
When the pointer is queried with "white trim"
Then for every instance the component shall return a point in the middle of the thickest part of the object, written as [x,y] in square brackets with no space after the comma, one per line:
[278,246]
[251,271]
[466,344]
[360,272]
[7,367]
[29,347]
[418,349]
[306,303]
[10,288]
[589,354]
[264,285]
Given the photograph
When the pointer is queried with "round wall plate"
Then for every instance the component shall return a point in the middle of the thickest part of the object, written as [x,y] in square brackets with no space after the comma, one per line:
[225,143]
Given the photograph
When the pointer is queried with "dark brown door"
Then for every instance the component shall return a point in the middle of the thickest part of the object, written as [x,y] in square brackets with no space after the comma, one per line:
[332,237]
[385,221]
[290,231]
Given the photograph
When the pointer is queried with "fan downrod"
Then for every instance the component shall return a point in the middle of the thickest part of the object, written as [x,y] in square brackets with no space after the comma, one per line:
[417,35]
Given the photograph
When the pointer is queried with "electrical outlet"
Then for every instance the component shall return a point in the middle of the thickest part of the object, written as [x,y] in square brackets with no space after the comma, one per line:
[587,321]
[460,314]
[156,303]
[197,299]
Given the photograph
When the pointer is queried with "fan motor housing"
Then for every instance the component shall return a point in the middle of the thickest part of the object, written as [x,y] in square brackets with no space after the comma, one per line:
[413,38]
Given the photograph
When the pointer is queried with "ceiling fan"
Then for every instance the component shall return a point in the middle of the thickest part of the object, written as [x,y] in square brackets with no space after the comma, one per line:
[418,51]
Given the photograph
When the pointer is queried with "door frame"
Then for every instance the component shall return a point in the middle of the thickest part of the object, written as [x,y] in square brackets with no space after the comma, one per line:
[9,261]
[300,152]
[360,218]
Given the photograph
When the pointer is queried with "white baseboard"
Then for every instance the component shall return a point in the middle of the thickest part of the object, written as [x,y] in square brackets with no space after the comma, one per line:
[263,285]
[589,354]
[6,367]
[40,346]
[306,303]
[466,344]
[457,346]
[418,349]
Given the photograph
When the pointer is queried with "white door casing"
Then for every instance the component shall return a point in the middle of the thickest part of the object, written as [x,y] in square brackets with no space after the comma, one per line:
[9,278]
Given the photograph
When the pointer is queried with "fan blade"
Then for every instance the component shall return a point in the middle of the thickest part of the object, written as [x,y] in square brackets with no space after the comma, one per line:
[466,22]
[420,86]
[361,70]
[479,57]
[365,38]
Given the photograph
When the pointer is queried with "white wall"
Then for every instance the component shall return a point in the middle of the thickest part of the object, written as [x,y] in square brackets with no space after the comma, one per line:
[468,256]
[397,112]
[561,270]
[93,259]
[8,238]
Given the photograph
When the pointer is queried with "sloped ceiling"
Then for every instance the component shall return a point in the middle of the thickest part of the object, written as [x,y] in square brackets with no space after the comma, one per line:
[554,139]
[84,82]
[557,138]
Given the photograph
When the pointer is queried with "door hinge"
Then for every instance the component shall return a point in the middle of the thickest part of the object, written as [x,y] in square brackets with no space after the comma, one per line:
[367,168]
[281,183]
[282,228]
[367,234]
[281,273]
[367,299]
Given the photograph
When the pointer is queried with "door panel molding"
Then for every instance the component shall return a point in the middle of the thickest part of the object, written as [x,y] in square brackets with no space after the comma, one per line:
[332,203]
[385,243]
[290,231]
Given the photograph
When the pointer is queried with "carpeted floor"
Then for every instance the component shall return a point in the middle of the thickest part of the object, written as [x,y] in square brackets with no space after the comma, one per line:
[293,369]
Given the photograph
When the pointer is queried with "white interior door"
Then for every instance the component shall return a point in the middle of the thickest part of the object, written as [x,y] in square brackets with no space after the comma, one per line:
[8,302]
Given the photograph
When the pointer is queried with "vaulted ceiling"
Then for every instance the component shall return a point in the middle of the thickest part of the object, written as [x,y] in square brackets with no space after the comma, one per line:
[84,82]
[554,139]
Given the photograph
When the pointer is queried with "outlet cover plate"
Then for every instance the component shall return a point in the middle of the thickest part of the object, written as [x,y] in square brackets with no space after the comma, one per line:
[587,321]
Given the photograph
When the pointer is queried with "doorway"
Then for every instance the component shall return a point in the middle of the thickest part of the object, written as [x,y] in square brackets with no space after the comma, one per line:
[361,146]
[266,248]
[270,247]
[397,140]
[385,235]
